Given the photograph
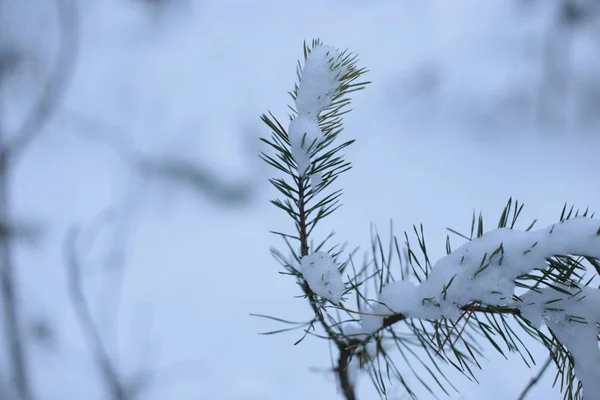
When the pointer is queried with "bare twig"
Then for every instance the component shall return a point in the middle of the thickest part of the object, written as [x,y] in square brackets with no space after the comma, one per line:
[12,325]
[193,175]
[109,372]
[535,379]
[55,86]
[9,150]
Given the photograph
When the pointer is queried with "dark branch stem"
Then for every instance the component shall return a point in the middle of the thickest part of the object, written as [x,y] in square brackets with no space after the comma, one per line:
[11,147]
[55,86]
[391,320]
[346,385]
[345,349]
[302,228]
[12,323]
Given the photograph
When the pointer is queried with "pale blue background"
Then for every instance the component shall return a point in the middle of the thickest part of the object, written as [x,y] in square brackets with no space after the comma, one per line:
[449,125]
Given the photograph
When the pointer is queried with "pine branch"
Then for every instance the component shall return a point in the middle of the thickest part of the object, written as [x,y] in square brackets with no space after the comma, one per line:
[306,156]
[563,280]
[392,319]
[346,354]
[466,298]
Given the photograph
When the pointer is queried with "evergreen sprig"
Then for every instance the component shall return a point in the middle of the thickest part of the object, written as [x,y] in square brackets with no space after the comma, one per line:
[306,203]
[403,347]
[459,342]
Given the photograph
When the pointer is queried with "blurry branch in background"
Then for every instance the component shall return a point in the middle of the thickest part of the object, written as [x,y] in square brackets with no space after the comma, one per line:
[77,242]
[191,175]
[55,86]
[556,65]
[159,7]
[6,390]
[112,378]
[202,180]
[563,99]
[11,146]
[535,379]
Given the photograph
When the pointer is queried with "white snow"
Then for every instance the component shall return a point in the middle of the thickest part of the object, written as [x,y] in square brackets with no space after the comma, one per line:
[320,81]
[318,86]
[322,275]
[582,342]
[580,338]
[458,279]
[305,134]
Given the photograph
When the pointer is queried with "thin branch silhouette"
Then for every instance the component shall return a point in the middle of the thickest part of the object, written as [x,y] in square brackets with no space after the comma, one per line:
[112,378]
[533,381]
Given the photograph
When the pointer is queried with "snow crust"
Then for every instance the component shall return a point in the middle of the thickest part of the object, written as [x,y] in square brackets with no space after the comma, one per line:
[322,275]
[319,83]
[318,86]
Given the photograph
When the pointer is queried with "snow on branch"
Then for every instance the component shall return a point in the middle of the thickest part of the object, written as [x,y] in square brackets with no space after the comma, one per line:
[311,160]
[319,83]
[494,284]
[320,96]
[322,275]
[487,270]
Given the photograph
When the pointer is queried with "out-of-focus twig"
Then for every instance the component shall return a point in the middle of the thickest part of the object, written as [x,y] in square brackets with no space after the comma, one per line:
[193,175]
[12,325]
[56,84]
[145,378]
[533,381]
[112,379]
[10,147]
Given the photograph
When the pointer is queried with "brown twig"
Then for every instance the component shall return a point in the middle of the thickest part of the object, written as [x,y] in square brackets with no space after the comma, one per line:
[392,319]
[468,313]
[346,354]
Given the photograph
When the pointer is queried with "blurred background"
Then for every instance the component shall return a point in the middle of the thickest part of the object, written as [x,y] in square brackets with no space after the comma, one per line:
[134,207]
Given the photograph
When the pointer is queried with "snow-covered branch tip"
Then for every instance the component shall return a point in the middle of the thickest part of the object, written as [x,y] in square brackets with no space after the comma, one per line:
[311,160]
[307,151]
